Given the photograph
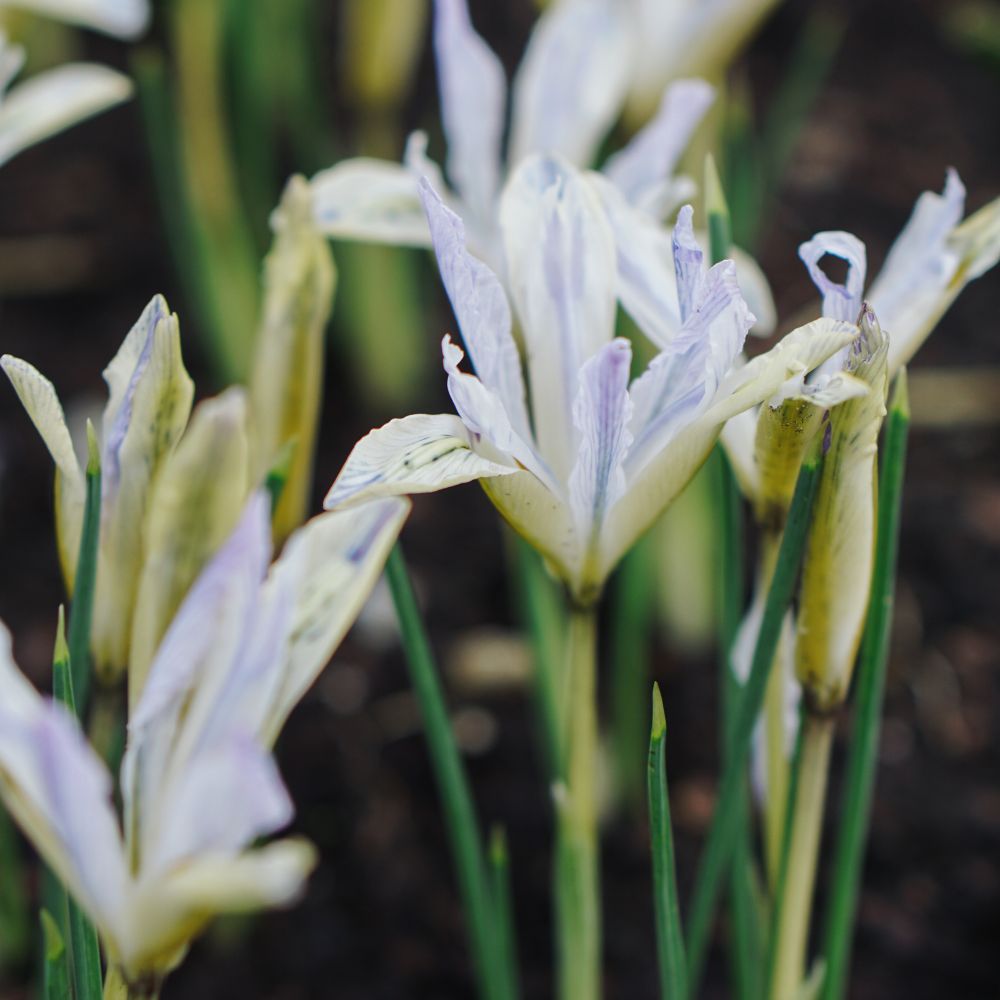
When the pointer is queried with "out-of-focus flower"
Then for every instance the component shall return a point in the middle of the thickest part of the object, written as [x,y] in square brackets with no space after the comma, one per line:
[840,547]
[566,94]
[675,38]
[286,382]
[198,783]
[52,100]
[931,261]
[124,18]
[149,400]
[382,43]
[598,458]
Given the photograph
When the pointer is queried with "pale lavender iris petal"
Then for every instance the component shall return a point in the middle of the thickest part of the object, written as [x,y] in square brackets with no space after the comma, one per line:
[602,411]
[205,639]
[919,266]
[481,309]
[473,97]
[689,262]
[226,588]
[647,287]
[231,795]
[652,155]
[483,413]
[79,802]
[60,791]
[562,275]
[840,301]
[683,379]
[570,85]
[138,347]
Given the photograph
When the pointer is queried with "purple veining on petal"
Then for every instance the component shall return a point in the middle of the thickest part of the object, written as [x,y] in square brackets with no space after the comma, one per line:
[688,262]
[840,301]
[601,412]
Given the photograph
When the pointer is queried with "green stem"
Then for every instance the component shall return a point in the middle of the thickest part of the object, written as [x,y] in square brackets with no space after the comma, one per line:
[541,611]
[84,584]
[460,817]
[855,811]
[630,625]
[578,902]
[799,877]
[669,934]
[724,830]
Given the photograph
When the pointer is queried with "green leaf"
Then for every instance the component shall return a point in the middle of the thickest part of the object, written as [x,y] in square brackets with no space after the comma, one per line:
[82,611]
[669,934]
[453,786]
[503,911]
[56,985]
[724,829]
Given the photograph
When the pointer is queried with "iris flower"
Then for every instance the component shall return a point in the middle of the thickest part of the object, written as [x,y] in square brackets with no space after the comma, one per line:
[198,783]
[50,101]
[934,257]
[675,38]
[576,455]
[149,401]
[566,94]
[57,98]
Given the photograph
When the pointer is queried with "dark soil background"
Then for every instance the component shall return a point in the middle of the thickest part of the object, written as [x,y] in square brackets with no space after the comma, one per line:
[82,250]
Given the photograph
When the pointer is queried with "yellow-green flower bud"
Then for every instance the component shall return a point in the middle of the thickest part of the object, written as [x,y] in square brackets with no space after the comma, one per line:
[193,508]
[299,281]
[839,555]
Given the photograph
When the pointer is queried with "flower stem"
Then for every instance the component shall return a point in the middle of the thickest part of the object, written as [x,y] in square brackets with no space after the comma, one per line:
[85,582]
[541,611]
[629,640]
[578,902]
[799,877]
[460,815]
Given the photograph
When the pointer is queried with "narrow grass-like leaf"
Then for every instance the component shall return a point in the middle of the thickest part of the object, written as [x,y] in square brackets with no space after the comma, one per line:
[669,934]
[14,912]
[724,829]
[630,627]
[456,799]
[745,949]
[540,609]
[503,911]
[84,949]
[855,810]
[56,981]
[82,611]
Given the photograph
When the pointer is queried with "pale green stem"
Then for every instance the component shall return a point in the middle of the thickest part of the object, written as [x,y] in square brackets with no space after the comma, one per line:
[578,900]
[799,878]
[777,751]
